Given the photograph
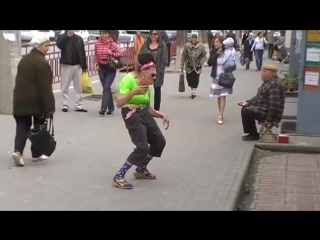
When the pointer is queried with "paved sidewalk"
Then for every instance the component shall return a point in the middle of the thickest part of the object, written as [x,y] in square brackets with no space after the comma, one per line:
[199,170]
[284,182]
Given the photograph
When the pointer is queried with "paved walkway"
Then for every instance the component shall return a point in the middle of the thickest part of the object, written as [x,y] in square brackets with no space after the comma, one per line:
[284,182]
[198,170]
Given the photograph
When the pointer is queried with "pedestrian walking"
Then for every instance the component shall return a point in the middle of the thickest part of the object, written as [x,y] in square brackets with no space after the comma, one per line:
[134,101]
[73,62]
[165,38]
[220,61]
[271,43]
[106,50]
[33,99]
[258,47]
[193,57]
[248,54]
[244,37]
[158,49]
[138,42]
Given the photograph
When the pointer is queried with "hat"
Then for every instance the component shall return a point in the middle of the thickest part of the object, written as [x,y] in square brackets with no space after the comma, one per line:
[228,42]
[38,39]
[270,67]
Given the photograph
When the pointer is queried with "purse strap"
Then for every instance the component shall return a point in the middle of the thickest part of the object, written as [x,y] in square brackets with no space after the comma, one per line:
[51,126]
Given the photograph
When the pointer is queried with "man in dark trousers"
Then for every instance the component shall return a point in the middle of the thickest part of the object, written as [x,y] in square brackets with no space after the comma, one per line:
[164,37]
[267,106]
[73,62]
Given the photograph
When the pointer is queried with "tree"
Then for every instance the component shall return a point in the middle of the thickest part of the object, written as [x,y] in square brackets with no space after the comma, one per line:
[10,49]
[203,38]
[182,38]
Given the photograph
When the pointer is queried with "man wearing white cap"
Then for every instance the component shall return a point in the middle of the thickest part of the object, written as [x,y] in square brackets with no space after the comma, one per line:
[33,99]
[73,62]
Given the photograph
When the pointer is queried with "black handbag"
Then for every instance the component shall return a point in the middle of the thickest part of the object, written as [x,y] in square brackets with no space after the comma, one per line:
[226,80]
[182,87]
[114,63]
[43,138]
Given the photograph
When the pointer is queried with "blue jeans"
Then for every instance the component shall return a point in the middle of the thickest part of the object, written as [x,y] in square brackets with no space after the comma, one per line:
[259,58]
[107,77]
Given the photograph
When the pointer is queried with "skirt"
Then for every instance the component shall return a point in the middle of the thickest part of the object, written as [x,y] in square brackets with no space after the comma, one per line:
[217,91]
[193,79]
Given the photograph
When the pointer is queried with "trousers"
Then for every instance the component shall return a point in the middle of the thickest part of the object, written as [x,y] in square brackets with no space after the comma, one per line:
[23,127]
[249,120]
[72,74]
[107,77]
[145,134]
[259,58]
[157,98]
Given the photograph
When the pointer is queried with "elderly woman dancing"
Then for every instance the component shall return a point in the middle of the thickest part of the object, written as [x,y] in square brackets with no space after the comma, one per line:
[138,116]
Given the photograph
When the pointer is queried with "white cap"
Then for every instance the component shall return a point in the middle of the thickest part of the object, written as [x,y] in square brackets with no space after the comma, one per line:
[38,39]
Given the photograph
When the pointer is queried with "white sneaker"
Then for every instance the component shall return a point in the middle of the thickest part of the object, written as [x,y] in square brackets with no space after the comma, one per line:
[17,159]
[41,158]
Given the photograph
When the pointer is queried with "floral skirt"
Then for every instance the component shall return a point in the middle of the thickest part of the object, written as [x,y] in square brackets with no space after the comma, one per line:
[217,91]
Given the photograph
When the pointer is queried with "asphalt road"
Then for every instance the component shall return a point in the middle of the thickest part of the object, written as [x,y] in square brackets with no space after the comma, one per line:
[196,172]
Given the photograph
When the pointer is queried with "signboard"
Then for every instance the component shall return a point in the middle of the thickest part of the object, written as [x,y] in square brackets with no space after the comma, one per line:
[313,35]
[312,54]
[311,78]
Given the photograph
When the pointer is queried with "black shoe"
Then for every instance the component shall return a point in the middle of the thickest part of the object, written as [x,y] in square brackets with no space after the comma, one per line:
[109,112]
[251,137]
[81,110]
[102,112]
[193,95]
[65,109]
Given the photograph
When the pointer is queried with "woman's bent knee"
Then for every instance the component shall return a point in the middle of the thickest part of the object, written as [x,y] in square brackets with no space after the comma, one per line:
[156,149]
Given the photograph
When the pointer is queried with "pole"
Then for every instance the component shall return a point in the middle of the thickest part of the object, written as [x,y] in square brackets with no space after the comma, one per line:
[10,54]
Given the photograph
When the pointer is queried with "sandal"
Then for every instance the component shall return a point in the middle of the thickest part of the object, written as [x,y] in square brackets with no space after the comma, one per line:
[144,175]
[122,184]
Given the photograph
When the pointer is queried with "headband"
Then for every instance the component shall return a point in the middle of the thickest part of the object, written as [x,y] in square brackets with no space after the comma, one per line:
[146,66]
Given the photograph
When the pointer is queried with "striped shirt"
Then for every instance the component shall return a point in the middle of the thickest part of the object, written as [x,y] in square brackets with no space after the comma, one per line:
[102,48]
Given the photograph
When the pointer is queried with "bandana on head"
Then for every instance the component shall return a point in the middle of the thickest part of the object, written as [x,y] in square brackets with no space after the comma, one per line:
[146,66]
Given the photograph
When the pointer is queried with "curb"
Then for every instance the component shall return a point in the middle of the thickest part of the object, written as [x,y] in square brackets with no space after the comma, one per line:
[276,147]
[235,191]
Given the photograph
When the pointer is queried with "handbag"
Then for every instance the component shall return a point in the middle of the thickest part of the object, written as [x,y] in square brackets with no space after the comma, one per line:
[43,138]
[242,60]
[226,80]
[182,87]
[114,63]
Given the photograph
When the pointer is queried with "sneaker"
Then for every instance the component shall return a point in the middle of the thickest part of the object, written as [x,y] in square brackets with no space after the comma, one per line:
[81,110]
[41,158]
[65,109]
[17,159]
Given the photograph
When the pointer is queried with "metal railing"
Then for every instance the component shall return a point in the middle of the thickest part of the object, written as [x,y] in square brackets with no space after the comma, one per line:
[53,57]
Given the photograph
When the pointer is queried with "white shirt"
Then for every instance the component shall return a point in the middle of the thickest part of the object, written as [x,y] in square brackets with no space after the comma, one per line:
[258,43]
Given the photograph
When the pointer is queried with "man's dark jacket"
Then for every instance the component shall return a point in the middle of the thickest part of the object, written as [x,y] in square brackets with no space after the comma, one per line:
[64,43]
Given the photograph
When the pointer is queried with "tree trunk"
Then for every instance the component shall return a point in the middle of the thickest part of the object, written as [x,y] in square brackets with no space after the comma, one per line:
[204,40]
[10,49]
[182,38]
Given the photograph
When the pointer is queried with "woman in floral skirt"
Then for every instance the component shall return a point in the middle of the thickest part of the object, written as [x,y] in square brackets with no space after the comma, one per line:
[217,61]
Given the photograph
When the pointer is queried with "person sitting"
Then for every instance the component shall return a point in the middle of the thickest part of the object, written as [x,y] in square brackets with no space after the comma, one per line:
[267,106]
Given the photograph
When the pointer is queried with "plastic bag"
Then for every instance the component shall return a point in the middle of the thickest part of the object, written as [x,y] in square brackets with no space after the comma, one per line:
[115,84]
[86,84]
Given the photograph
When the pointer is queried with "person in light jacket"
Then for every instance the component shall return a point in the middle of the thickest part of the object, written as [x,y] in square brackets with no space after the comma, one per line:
[258,47]
[158,49]
[192,59]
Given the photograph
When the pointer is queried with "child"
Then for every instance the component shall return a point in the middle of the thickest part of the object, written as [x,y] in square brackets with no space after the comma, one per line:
[229,53]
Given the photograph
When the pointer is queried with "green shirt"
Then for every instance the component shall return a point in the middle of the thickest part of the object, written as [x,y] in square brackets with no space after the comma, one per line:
[128,83]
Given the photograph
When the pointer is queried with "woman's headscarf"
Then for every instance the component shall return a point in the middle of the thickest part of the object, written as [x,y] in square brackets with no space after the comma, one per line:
[228,43]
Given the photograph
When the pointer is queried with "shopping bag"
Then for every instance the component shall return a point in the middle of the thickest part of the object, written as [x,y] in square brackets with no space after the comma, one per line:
[182,87]
[242,60]
[226,80]
[43,138]
[86,84]
[115,84]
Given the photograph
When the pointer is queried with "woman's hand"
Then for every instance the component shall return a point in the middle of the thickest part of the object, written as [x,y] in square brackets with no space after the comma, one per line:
[166,122]
[219,51]
[224,67]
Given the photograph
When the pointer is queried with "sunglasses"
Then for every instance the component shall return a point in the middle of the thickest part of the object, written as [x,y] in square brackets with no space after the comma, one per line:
[154,34]
[153,75]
